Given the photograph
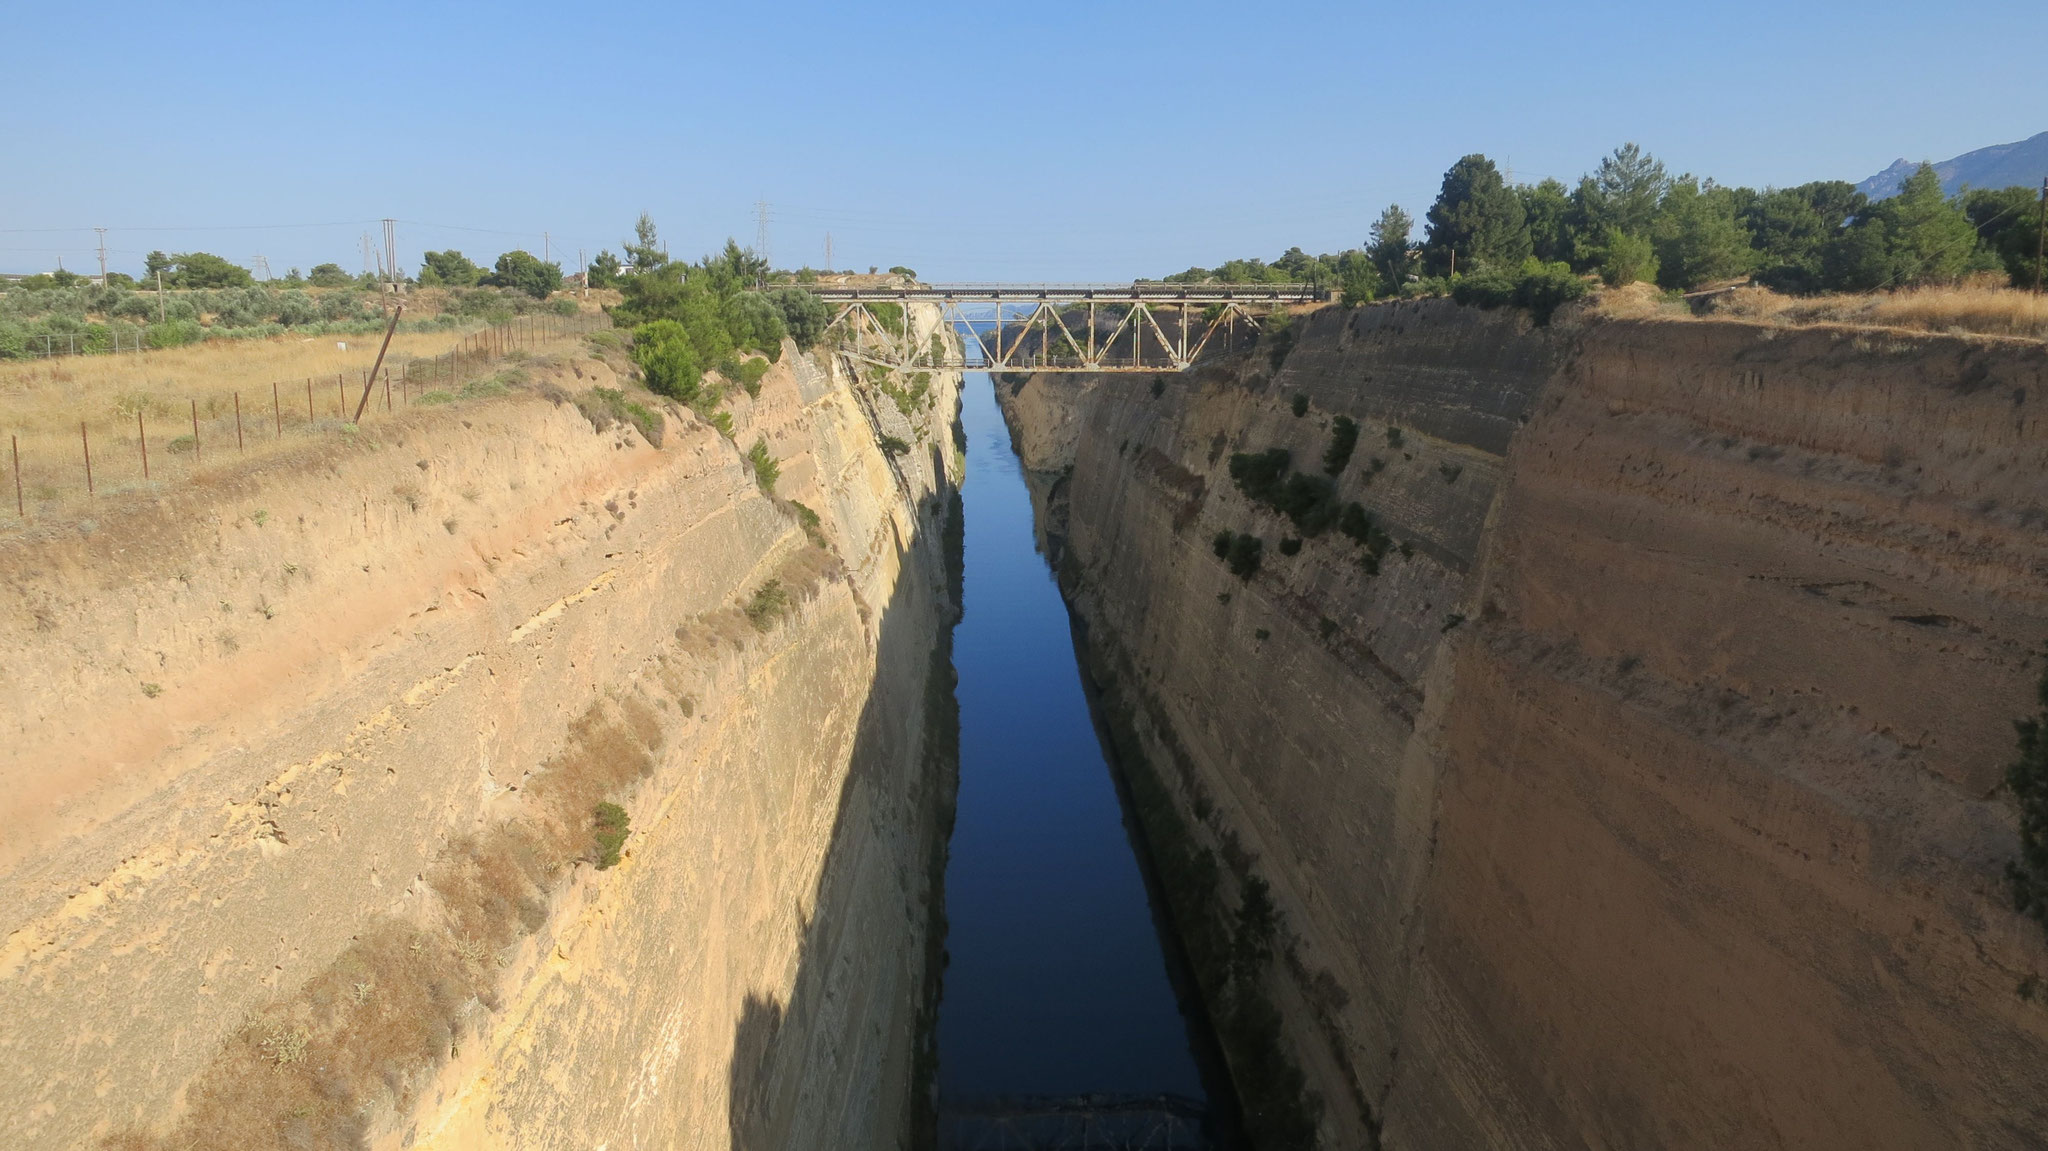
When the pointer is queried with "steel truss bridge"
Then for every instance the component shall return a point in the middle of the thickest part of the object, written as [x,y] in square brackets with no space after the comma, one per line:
[1139,327]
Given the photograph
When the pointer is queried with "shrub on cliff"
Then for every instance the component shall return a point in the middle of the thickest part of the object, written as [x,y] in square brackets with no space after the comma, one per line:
[1245,552]
[1343,440]
[1258,474]
[1536,286]
[609,824]
[667,359]
[2028,778]
[766,470]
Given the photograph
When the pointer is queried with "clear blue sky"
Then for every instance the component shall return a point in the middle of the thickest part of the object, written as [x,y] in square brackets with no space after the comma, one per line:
[1017,141]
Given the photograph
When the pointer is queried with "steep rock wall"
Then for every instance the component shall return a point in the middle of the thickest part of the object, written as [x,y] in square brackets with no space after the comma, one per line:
[361,665]
[1648,796]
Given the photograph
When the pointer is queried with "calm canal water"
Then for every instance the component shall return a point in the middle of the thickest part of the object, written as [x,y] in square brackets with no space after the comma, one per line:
[1058,985]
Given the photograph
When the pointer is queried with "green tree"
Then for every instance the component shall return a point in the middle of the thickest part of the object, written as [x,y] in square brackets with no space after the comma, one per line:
[1916,237]
[1623,257]
[523,271]
[1790,228]
[1697,237]
[206,270]
[157,262]
[645,252]
[1546,207]
[603,271]
[667,360]
[804,315]
[1389,251]
[328,276]
[1623,192]
[451,268]
[2008,223]
[1476,220]
[755,322]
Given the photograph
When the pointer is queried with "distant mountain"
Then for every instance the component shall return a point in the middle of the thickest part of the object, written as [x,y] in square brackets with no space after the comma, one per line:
[1999,166]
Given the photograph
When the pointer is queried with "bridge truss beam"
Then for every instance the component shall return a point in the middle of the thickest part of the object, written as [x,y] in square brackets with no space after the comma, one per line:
[1137,342]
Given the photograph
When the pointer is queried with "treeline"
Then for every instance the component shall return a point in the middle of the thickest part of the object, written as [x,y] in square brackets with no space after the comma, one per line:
[691,318]
[1631,220]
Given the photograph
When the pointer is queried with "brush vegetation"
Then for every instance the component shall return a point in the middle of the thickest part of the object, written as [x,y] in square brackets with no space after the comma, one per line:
[364,1036]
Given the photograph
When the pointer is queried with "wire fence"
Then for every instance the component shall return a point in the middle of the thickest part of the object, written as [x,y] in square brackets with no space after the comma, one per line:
[149,443]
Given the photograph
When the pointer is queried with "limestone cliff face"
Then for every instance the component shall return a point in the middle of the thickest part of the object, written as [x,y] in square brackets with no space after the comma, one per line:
[361,674]
[1648,795]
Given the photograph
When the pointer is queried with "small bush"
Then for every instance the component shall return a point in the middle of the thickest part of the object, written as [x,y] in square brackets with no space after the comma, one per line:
[1158,386]
[893,446]
[437,396]
[1258,474]
[1300,405]
[2028,779]
[1245,551]
[1290,546]
[609,824]
[766,470]
[563,307]
[1343,440]
[767,605]
[1450,471]
[1536,286]
[1393,437]
[1221,544]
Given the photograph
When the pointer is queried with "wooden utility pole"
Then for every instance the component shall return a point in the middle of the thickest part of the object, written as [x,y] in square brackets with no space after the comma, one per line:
[371,379]
[159,295]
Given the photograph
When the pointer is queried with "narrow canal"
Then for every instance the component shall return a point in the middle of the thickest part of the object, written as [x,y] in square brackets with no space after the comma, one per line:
[1057,983]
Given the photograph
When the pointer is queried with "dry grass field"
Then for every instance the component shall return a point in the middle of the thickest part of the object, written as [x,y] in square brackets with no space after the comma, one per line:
[251,400]
[1983,310]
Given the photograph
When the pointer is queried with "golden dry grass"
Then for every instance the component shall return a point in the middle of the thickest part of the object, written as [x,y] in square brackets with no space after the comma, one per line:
[42,404]
[311,1069]
[1976,309]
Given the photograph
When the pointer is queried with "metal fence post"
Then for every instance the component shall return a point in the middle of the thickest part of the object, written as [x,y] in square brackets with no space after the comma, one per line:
[82,439]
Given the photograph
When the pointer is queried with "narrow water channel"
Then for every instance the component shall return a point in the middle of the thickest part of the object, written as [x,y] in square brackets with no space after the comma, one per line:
[1058,984]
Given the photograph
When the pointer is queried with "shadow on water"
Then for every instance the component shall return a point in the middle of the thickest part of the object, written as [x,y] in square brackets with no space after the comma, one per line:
[801,1073]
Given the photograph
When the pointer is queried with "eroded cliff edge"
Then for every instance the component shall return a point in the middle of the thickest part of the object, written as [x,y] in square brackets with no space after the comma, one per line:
[300,769]
[1649,793]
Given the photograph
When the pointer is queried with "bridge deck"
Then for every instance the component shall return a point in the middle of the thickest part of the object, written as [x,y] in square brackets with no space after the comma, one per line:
[1151,293]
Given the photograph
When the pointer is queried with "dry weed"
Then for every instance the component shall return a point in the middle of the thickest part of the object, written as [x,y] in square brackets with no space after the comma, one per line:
[1978,309]
[360,1039]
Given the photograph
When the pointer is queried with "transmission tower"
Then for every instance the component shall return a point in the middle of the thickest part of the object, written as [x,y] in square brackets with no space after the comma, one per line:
[103,254]
[261,267]
[391,252]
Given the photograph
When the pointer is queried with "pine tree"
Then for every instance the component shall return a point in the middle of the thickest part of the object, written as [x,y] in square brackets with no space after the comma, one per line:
[1476,219]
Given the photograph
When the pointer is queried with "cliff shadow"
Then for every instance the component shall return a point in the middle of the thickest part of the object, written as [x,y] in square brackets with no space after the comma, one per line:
[799,1065]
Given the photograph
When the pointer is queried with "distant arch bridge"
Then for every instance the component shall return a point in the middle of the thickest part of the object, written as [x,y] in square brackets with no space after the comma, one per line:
[1137,327]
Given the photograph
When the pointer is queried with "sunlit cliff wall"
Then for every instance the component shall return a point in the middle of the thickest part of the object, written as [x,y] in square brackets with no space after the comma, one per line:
[364,667]
[1649,795]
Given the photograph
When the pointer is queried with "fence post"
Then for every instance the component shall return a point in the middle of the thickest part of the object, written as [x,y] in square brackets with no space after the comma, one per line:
[277,406]
[88,456]
[195,435]
[238,423]
[387,389]
[142,437]
[340,396]
[309,403]
[15,441]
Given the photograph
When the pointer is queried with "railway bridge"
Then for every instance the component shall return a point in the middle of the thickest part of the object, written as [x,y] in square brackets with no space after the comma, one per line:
[1147,326]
